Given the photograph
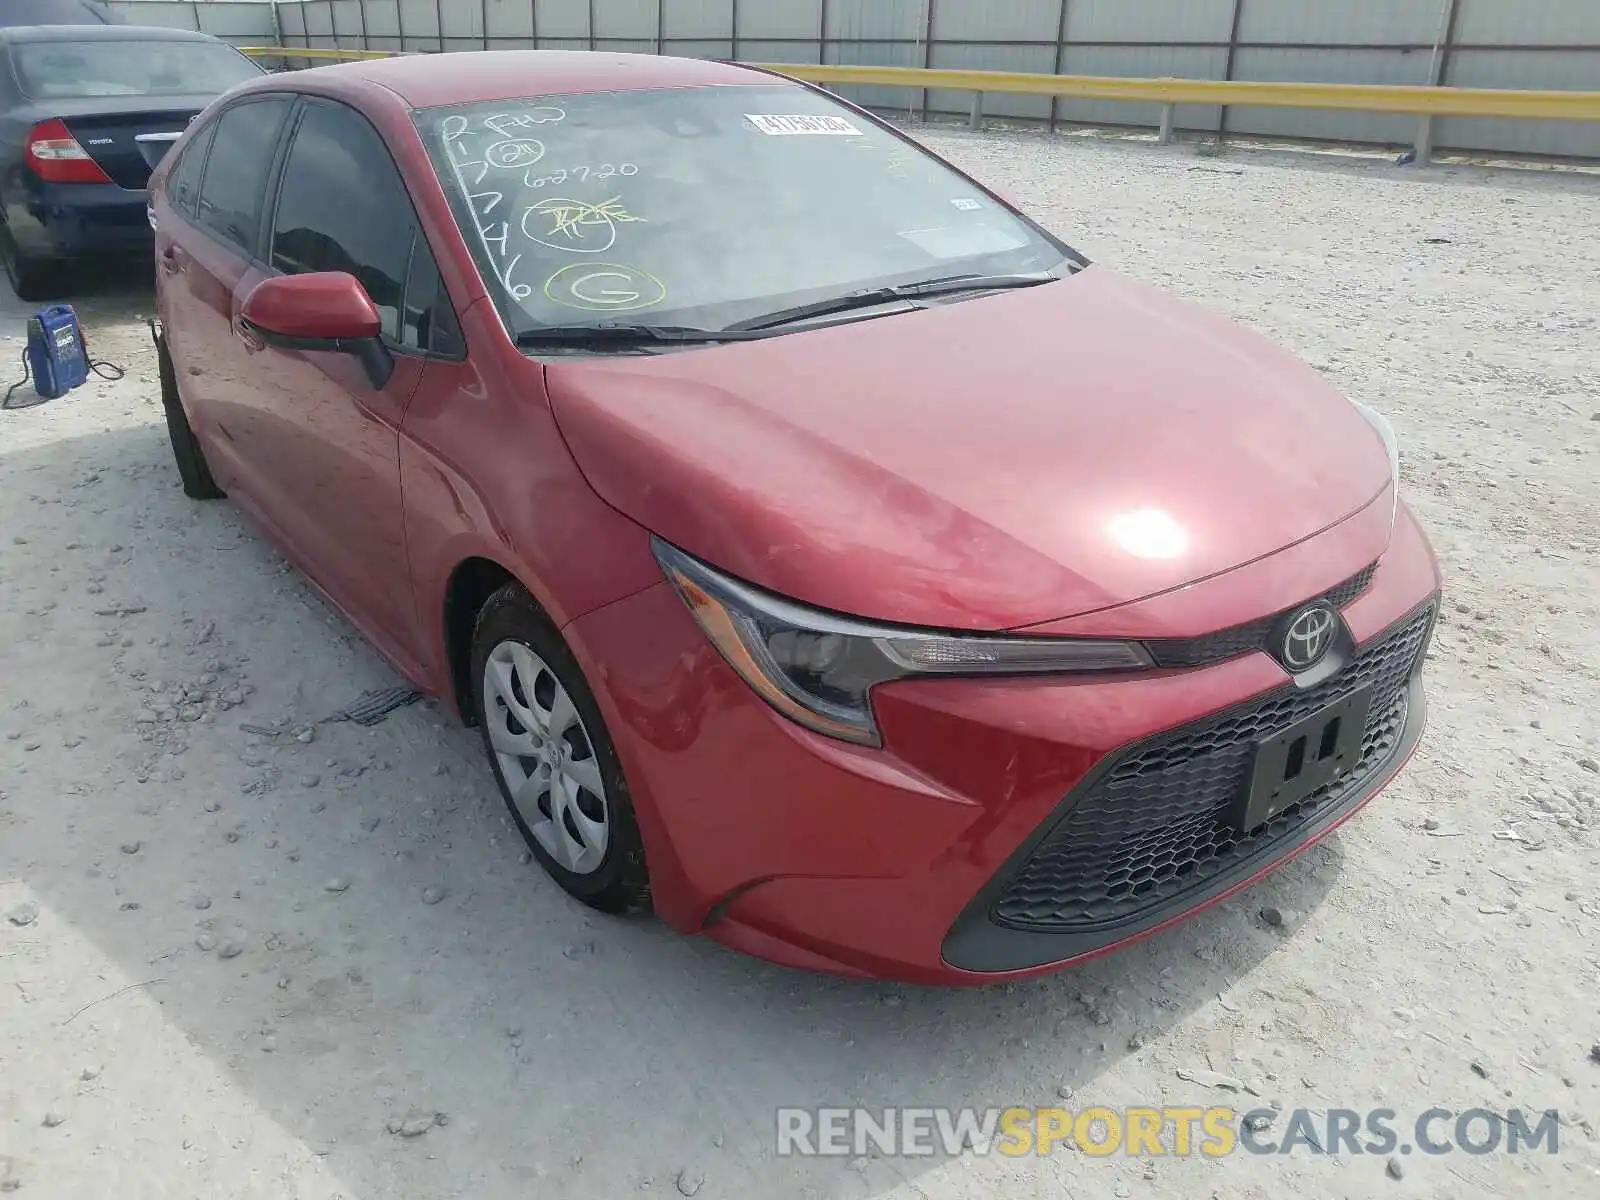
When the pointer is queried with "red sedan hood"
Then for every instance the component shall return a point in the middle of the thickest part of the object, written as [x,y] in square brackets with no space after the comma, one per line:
[988,464]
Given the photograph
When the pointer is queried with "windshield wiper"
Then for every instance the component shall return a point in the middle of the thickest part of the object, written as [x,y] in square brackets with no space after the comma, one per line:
[627,335]
[869,297]
[632,335]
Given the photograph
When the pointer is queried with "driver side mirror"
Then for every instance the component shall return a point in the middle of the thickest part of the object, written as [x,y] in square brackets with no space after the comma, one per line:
[320,310]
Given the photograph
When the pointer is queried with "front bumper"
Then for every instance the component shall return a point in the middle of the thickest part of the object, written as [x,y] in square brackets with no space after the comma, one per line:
[1146,838]
[958,852]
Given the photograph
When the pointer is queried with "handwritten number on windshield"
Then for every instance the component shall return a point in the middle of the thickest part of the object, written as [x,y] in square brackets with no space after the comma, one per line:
[514,153]
[583,174]
[519,291]
[513,141]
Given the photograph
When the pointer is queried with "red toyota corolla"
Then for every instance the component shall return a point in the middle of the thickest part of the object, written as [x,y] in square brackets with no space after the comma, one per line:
[833,559]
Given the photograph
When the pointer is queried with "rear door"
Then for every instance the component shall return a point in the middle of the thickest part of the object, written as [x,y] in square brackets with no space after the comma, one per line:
[208,263]
[172,217]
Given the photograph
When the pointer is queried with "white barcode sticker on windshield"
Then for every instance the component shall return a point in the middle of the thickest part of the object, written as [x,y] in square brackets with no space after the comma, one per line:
[805,123]
[965,241]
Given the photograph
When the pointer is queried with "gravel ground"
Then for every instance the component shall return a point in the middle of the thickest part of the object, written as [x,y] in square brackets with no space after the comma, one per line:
[319,965]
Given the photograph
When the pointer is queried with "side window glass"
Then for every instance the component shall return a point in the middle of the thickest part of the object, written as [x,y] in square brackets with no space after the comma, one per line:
[342,207]
[183,184]
[236,171]
[427,322]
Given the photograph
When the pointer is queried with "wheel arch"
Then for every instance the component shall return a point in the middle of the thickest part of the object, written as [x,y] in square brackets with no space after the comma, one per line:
[469,587]
[472,581]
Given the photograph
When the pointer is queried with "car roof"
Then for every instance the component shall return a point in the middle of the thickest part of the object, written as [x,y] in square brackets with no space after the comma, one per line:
[100,33]
[470,77]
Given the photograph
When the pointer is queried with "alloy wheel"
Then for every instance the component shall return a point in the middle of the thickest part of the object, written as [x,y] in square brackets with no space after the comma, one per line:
[545,756]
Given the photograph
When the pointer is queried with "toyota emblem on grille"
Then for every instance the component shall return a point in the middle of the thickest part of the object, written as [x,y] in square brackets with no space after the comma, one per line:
[1308,637]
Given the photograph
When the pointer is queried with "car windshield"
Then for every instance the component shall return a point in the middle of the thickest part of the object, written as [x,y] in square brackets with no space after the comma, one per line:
[65,70]
[706,207]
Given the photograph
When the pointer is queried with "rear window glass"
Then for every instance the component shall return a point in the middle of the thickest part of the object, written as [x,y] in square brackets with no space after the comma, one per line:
[82,70]
[183,186]
[235,181]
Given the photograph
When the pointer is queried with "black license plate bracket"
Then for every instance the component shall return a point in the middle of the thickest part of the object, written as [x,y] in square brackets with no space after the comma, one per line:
[1290,765]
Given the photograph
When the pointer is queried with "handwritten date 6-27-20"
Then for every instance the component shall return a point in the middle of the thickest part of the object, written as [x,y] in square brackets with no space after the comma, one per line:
[582,174]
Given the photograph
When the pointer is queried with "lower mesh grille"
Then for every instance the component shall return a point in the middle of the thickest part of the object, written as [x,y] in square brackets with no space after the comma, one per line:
[1154,825]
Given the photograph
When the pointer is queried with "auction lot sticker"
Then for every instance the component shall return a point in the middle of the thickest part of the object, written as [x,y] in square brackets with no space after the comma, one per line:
[807,123]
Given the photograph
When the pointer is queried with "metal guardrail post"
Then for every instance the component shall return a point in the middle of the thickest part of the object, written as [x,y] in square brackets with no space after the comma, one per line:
[1227,65]
[975,121]
[1061,61]
[1168,117]
[1422,149]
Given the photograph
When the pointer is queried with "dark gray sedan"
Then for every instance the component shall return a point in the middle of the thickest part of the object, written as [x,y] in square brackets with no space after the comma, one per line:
[85,112]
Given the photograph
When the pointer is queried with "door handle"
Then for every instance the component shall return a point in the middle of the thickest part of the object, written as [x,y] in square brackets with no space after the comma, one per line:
[252,340]
[171,260]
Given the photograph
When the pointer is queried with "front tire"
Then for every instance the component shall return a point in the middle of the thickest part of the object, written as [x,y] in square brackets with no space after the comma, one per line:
[192,469]
[553,758]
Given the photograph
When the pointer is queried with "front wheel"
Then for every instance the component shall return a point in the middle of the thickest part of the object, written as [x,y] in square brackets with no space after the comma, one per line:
[552,757]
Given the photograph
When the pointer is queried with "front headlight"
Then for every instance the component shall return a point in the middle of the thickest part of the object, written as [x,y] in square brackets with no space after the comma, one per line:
[1390,443]
[819,669]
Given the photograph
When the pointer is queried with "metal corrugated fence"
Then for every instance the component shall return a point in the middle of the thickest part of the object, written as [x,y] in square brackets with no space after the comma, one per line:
[1526,44]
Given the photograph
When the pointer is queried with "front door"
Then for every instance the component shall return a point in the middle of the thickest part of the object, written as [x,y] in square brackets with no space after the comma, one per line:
[324,436]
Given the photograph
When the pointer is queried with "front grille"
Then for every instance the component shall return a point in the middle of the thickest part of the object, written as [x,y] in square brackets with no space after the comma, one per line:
[1351,588]
[1238,639]
[1154,824]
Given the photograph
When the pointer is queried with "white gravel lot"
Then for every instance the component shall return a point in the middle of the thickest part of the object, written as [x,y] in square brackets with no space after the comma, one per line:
[271,992]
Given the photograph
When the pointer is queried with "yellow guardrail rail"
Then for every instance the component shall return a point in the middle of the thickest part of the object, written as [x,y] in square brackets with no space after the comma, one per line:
[1368,97]
[1365,97]
[1425,102]
[323,52]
